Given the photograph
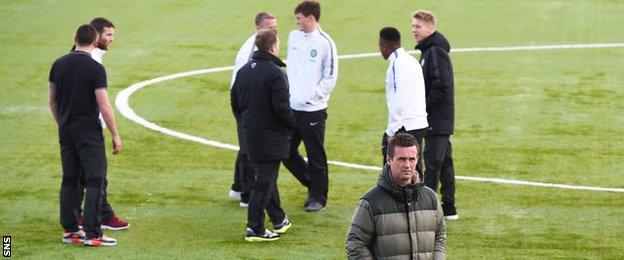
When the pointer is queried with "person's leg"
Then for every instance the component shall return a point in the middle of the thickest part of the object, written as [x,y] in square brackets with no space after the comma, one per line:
[246,178]
[274,208]
[313,134]
[236,185]
[447,181]
[69,194]
[93,160]
[435,149]
[419,134]
[261,195]
[107,211]
[384,149]
[295,162]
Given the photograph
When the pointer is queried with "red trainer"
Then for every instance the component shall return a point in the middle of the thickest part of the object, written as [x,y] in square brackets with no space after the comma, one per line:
[74,237]
[100,241]
[115,223]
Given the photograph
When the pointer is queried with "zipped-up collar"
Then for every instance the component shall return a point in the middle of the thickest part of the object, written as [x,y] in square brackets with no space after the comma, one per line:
[395,54]
[81,53]
[265,55]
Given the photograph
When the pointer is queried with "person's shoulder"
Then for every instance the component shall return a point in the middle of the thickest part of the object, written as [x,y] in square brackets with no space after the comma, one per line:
[428,193]
[327,38]
[294,33]
[251,39]
[409,59]
[374,193]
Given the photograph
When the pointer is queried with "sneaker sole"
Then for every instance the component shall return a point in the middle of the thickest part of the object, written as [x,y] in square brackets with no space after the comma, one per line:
[318,210]
[101,245]
[260,239]
[105,227]
[452,217]
[72,241]
[283,229]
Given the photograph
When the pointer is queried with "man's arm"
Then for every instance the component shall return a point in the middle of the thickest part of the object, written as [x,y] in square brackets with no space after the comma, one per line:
[439,245]
[106,109]
[234,102]
[330,72]
[361,233]
[52,102]
[439,71]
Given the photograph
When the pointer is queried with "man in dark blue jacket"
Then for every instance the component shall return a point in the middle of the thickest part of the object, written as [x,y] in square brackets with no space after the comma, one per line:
[438,73]
[260,102]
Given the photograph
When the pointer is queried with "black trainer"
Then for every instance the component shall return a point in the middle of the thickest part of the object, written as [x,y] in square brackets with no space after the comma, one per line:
[251,236]
[315,206]
[282,227]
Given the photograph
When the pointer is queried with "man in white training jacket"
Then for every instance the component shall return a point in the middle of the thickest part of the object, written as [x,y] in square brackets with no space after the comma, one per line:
[405,92]
[312,72]
[243,170]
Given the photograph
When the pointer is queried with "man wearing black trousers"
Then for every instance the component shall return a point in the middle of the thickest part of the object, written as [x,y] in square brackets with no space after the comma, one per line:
[405,92]
[312,74]
[77,93]
[259,100]
[439,90]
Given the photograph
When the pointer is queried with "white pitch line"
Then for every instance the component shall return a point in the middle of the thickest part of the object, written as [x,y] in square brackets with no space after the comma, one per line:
[122,103]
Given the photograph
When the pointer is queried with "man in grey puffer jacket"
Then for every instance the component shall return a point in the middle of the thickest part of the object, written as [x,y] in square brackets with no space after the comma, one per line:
[379,228]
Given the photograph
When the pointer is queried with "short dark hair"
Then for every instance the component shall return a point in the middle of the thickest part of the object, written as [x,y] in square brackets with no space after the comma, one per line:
[390,35]
[100,22]
[265,39]
[309,7]
[86,35]
[260,17]
[401,140]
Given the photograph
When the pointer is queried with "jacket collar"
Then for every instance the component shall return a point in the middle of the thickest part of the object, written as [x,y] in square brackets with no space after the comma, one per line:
[395,54]
[265,55]
[405,194]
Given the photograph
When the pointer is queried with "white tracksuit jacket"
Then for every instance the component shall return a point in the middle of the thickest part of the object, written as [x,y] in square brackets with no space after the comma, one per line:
[312,68]
[405,93]
[243,56]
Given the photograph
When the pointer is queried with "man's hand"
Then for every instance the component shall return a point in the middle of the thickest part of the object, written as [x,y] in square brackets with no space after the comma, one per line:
[116,144]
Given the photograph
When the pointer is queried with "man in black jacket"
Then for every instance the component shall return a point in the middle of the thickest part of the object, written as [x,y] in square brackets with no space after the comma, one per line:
[438,73]
[260,102]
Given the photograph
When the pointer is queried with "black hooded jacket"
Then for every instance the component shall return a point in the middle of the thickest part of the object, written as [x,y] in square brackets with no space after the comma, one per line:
[260,103]
[439,87]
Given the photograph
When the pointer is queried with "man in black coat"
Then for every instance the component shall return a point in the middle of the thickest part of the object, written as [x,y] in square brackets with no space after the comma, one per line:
[438,73]
[260,102]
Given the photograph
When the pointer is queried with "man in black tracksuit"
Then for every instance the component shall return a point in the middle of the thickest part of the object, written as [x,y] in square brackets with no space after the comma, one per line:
[77,94]
[260,102]
[438,73]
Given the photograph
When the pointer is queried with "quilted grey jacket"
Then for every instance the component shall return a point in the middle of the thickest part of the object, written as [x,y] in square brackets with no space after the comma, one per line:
[379,228]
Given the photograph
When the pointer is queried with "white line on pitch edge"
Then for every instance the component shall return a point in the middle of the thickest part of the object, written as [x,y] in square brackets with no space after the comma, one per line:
[122,103]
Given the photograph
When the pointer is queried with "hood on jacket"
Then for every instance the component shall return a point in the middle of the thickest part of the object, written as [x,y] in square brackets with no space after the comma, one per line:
[268,56]
[435,39]
[402,194]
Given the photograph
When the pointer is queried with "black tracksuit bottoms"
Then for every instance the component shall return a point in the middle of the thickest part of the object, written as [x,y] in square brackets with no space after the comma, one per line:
[82,153]
[439,167]
[313,174]
[264,196]
[106,212]
[243,169]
